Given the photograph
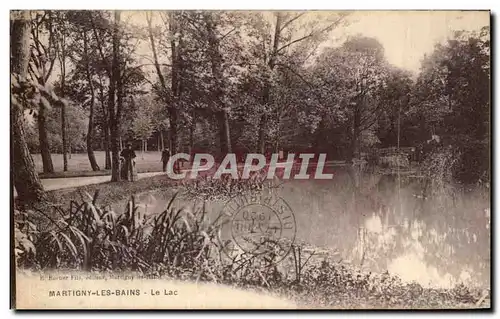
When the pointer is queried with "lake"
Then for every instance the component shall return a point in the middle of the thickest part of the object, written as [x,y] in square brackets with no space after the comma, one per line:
[434,236]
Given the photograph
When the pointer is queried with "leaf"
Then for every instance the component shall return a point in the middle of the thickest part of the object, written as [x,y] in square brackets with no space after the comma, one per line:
[70,245]
[95,214]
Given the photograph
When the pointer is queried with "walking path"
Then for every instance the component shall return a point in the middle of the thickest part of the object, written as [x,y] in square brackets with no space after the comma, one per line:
[68,182]
[58,183]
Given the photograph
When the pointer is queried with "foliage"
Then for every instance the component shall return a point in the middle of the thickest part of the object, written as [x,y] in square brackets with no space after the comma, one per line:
[274,79]
[142,124]
[75,134]
[89,237]
[208,189]
[452,95]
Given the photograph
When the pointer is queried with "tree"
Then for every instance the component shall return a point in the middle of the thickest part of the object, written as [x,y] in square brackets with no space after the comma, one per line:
[171,97]
[85,65]
[26,180]
[117,75]
[142,125]
[291,31]
[394,126]
[60,28]
[75,132]
[357,72]
[90,131]
[115,100]
[102,36]
[211,21]
[452,98]
[43,57]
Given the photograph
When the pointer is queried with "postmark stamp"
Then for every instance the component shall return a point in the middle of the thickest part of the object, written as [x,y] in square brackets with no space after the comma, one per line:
[258,224]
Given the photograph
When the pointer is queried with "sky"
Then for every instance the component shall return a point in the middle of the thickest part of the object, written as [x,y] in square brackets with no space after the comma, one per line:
[408,35]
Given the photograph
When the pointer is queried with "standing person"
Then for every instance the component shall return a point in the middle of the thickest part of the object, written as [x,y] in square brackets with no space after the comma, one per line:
[165,156]
[128,167]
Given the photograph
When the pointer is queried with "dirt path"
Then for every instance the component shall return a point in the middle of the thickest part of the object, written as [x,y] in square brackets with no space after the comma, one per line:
[50,184]
[58,183]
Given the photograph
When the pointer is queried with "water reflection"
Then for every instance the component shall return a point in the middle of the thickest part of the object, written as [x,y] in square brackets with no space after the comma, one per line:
[436,239]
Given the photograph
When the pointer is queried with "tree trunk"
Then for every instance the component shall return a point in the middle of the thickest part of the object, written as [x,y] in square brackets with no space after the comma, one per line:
[320,136]
[107,146]
[90,132]
[262,133]
[174,85]
[68,143]
[62,62]
[63,133]
[354,169]
[191,134]
[161,140]
[26,181]
[115,155]
[43,74]
[218,91]
[43,139]
[356,123]
[105,127]
[225,139]
[90,138]
[114,113]
[173,130]
[267,85]
[143,146]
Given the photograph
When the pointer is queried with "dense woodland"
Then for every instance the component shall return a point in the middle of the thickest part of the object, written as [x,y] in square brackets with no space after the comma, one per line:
[235,82]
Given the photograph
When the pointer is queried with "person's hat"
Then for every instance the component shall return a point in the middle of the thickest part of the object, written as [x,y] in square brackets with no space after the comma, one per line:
[129,144]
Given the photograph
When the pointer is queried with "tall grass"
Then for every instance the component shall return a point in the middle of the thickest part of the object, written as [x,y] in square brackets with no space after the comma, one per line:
[90,237]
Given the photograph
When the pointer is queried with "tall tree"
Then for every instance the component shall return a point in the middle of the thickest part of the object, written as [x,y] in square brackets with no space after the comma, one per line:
[26,180]
[290,33]
[115,70]
[43,58]
[102,35]
[115,100]
[90,131]
[357,71]
[218,99]
[171,96]
[452,95]
[60,23]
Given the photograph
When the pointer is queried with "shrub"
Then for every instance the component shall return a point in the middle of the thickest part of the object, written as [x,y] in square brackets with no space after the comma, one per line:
[208,188]
[89,237]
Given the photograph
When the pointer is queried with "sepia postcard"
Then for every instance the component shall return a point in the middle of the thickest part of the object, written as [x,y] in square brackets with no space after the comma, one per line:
[250,159]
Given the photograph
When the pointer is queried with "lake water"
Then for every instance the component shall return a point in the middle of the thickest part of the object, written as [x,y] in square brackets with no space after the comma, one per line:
[437,238]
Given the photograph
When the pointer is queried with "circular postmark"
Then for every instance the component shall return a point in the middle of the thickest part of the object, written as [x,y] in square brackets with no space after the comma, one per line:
[257,224]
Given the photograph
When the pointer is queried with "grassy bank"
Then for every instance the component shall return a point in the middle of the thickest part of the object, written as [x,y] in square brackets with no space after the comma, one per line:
[111,192]
[79,166]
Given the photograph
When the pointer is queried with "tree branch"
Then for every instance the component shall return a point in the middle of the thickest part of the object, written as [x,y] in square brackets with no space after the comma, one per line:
[312,34]
[99,45]
[286,24]
[225,35]
[153,49]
